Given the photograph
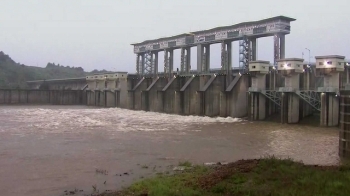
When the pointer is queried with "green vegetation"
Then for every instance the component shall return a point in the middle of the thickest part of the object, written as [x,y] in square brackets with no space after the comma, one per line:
[15,75]
[268,176]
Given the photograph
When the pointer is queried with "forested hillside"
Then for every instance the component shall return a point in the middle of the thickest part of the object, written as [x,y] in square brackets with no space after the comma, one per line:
[15,75]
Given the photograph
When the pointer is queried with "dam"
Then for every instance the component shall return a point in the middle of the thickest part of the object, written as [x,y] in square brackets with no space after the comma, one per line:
[256,88]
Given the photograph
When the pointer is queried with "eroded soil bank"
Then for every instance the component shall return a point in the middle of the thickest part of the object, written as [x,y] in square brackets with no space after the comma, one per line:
[255,177]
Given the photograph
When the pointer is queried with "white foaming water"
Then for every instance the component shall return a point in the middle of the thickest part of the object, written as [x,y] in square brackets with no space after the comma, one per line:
[111,119]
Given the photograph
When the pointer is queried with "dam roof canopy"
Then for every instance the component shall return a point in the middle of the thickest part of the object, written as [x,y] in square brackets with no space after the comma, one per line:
[284,18]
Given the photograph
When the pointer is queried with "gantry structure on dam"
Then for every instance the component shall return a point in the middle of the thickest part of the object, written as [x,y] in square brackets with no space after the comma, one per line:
[276,86]
[246,33]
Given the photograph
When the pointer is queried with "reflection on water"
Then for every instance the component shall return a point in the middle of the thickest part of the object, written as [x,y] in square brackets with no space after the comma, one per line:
[48,149]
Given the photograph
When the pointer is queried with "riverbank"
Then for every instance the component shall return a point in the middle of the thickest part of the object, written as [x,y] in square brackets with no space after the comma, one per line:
[255,177]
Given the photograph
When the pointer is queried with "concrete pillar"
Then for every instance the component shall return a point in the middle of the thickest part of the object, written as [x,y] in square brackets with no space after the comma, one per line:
[329,110]
[229,63]
[183,60]
[290,101]
[282,38]
[229,55]
[258,101]
[171,63]
[293,108]
[284,107]
[142,66]
[200,51]
[226,60]
[137,64]
[324,108]
[254,49]
[203,58]
[188,60]
[257,106]
[155,64]
[207,58]
[276,48]
[166,61]
[289,108]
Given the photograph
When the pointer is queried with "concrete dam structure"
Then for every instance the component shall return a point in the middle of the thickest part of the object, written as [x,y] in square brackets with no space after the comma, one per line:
[255,89]
[208,92]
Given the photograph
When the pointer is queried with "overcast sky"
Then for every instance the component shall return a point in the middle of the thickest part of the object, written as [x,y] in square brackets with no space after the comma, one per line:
[96,34]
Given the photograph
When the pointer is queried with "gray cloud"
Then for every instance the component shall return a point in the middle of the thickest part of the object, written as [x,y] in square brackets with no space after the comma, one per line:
[98,33]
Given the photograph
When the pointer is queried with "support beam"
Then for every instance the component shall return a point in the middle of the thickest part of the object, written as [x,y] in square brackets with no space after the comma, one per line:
[276,48]
[207,59]
[279,47]
[282,46]
[185,60]
[254,49]
[226,60]
[188,60]
[200,51]
[138,63]
[155,64]
[256,106]
[142,66]
[171,63]
[168,63]
[203,58]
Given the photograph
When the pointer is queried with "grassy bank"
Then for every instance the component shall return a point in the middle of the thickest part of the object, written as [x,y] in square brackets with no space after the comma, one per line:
[248,177]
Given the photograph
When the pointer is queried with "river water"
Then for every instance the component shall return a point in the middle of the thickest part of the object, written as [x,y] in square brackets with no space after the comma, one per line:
[45,150]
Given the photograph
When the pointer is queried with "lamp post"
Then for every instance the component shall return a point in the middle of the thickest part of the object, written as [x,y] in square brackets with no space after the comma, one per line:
[309,54]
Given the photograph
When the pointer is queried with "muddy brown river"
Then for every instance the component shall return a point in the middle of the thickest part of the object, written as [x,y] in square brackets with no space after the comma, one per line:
[46,150]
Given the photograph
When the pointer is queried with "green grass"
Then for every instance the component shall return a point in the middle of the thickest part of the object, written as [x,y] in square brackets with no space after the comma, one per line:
[268,176]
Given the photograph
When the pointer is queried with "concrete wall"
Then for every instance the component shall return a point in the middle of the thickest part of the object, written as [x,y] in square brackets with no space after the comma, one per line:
[237,99]
[213,95]
[154,98]
[122,95]
[191,98]
[138,97]
[111,98]
[59,84]
[170,100]
[55,97]
[90,96]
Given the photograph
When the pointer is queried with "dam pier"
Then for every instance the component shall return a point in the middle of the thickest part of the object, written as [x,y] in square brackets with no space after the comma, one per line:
[255,88]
